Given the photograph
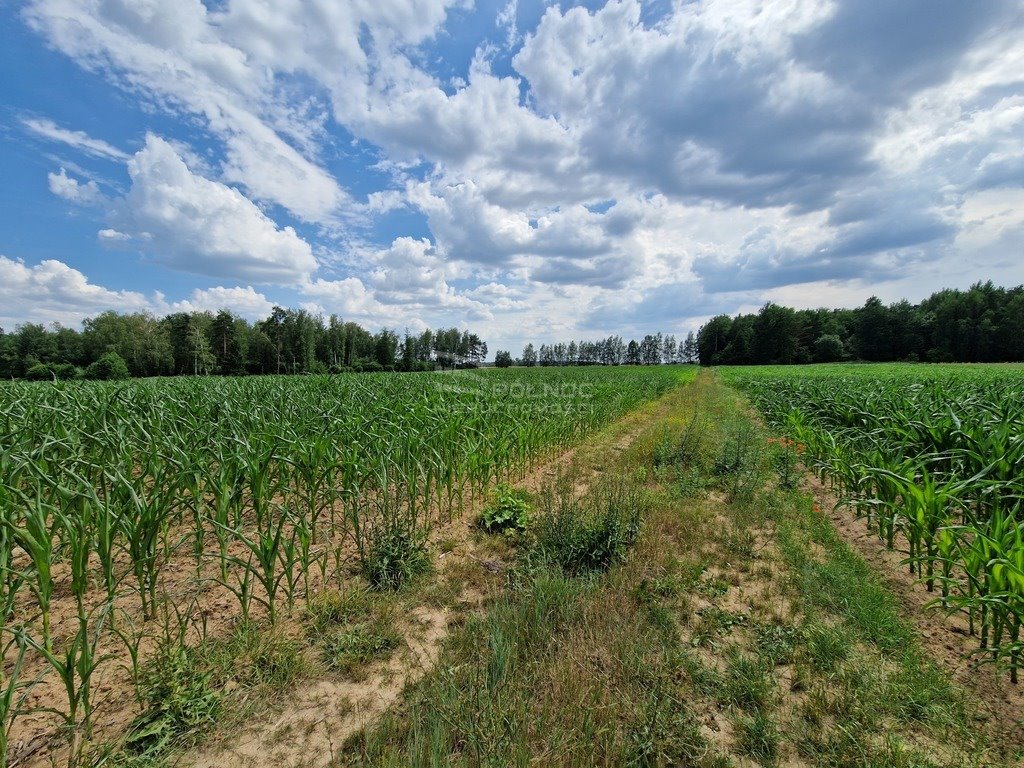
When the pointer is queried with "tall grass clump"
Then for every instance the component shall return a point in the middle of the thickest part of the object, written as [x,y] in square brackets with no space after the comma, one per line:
[391,541]
[589,534]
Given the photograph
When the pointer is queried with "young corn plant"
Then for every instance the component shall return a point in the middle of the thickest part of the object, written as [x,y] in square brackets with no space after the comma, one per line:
[35,536]
[13,690]
[299,551]
[224,482]
[268,558]
[1006,580]
[105,527]
[75,667]
[143,512]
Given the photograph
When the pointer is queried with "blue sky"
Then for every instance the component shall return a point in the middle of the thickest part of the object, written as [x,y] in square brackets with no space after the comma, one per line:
[535,171]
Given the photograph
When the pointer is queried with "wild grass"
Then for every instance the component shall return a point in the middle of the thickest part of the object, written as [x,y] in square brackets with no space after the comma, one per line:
[349,650]
[352,628]
[588,535]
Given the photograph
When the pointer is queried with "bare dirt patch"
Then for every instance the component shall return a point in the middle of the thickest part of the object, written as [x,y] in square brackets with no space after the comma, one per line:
[313,722]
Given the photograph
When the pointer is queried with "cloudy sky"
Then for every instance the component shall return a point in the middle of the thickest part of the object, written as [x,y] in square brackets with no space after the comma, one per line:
[532,170]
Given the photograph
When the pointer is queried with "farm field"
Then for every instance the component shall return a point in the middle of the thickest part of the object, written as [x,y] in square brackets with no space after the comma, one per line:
[570,566]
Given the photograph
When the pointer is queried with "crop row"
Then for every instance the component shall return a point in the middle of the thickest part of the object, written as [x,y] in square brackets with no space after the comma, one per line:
[933,460]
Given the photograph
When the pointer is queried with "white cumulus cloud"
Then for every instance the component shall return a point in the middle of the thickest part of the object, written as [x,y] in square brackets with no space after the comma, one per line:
[246,302]
[72,190]
[197,225]
[176,54]
[650,161]
[53,292]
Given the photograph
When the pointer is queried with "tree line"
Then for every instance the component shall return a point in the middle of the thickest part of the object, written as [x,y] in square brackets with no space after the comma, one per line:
[984,324]
[114,345]
[653,349]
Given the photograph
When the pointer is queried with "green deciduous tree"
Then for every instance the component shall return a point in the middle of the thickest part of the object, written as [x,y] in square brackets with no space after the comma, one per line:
[529,355]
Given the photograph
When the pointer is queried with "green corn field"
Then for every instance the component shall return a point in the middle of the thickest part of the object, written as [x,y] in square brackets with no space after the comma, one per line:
[932,459]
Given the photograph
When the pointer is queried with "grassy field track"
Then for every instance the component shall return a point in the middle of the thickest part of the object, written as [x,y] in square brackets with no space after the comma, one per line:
[735,628]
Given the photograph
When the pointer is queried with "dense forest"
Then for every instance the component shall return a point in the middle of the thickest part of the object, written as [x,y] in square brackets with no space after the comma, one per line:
[984,324]
[116,345]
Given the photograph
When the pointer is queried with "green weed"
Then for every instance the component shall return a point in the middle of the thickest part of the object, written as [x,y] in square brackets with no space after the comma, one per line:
[508,511]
